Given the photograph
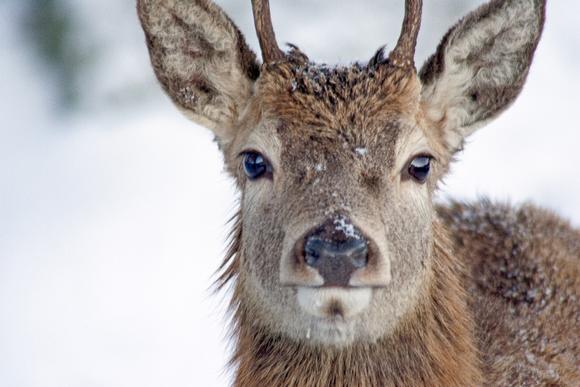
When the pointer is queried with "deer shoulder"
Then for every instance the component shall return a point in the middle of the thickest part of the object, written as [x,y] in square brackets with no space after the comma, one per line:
[523,280]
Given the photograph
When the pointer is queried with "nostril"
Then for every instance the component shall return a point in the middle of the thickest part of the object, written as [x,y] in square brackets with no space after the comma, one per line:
[360,254]
[351,251]
[335,251]
[312,250]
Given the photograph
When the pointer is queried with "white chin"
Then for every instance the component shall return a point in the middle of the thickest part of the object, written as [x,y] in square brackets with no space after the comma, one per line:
[334,303]
[333,313]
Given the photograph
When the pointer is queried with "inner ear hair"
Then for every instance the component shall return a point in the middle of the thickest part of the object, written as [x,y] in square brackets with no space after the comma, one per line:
[480,66]
[201,59]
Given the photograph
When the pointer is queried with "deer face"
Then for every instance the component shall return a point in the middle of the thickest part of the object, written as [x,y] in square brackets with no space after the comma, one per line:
[336,166]
[337,226]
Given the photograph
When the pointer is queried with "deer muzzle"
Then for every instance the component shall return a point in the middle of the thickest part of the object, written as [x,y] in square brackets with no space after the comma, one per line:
[335,253]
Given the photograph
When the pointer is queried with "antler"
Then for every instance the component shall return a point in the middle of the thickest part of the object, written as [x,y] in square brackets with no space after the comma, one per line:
[263,21]
[403,55]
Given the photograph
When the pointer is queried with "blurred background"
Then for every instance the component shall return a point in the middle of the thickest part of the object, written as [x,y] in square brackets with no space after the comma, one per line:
[113,207]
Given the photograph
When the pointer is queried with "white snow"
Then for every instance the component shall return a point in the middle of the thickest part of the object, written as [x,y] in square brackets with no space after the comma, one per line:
[361,151]
[320,167]
[112,221]
[293,85]
[344,225]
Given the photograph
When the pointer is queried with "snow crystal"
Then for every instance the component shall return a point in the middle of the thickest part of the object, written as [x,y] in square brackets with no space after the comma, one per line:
[530,358]
[361,151]
[294,85]
[342,224]
[188,95]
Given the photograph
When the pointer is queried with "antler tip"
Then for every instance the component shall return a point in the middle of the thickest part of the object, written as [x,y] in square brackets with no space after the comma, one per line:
[266,36]
[404,52]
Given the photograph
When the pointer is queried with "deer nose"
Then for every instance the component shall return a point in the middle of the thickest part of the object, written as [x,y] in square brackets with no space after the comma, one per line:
[336,250]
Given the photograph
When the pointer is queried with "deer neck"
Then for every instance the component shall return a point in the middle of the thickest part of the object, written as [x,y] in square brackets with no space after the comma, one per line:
[433,346]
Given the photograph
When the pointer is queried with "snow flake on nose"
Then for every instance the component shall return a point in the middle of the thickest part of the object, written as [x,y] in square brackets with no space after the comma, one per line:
[344,225]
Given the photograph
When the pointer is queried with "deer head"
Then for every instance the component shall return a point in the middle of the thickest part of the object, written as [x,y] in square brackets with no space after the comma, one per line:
[337,166]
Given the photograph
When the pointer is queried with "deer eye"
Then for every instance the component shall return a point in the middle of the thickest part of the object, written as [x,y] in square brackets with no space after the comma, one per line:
[256,165]
[419,168]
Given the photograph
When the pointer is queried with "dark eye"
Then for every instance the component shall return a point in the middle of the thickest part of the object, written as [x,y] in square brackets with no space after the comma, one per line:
[255,165]
[419,168]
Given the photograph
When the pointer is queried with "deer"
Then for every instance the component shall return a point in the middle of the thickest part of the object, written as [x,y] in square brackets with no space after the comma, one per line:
[344,270]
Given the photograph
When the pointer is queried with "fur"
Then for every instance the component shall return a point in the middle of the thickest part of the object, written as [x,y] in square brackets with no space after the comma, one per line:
[481,66]
[200,58]
[518,263]
[431,346]
[459,295]
[524,280]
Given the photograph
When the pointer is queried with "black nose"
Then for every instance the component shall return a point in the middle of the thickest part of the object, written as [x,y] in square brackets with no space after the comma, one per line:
[336,249]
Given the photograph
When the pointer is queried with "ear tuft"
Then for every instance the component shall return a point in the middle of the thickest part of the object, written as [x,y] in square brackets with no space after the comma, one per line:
[481,65]
[201,59]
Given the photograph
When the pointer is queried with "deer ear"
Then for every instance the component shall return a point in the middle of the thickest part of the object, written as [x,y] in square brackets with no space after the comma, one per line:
[201,59]
[480,66]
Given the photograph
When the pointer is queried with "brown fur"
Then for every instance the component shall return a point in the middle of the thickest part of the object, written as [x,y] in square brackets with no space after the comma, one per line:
[524,281]
[321,96]
[477,294]
[515,303]
[432,346]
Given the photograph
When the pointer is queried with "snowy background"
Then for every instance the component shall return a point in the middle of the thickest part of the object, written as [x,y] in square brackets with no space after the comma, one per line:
[113,206]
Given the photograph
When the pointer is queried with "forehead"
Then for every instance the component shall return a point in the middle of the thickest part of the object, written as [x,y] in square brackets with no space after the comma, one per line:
[339,96]
[345,107]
